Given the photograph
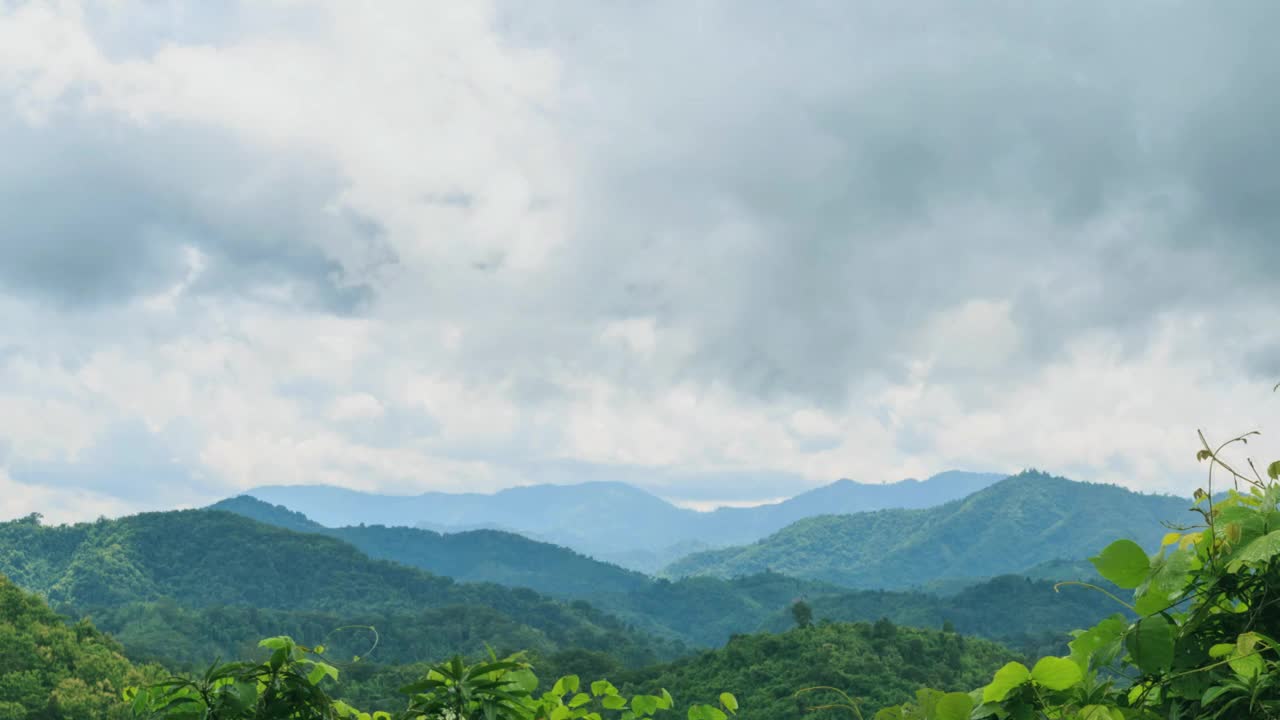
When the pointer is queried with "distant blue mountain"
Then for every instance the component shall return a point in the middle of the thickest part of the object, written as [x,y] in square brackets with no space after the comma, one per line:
[612,521]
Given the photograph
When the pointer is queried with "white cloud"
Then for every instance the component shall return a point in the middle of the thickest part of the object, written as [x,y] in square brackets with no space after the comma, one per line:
[357,406]
[56,505]
[413,245]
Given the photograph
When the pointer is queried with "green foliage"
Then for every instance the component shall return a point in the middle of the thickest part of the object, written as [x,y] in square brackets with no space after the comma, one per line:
[1203,644]
[50,670]
[802,614]
[1031,616]
[471,556]
[880,666]
[185,587]
[287,686]
[706,611]
[1013,525]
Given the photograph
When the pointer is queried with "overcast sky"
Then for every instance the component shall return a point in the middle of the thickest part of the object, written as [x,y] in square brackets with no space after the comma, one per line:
[725,250]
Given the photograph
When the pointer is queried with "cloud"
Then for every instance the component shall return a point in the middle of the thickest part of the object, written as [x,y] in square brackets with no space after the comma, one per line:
[724,250]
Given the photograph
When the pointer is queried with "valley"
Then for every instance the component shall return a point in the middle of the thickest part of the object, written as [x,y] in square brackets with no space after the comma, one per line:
[969,584]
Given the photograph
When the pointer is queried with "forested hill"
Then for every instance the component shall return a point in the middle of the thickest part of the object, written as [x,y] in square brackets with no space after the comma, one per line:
[470,556]
[55,671]
[147,576]
[1018,523]
[700,610]
[880,664]
[641,527]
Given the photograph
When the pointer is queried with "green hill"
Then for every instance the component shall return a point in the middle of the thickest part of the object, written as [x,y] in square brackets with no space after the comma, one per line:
[1019,612]
[881,664]
[50,670]
[227,580]
[470,556]
[1018,523]
[644,531]
[703,611]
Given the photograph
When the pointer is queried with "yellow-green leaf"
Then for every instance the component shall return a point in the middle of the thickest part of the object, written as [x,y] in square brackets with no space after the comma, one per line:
[1056,673]
[1124,563]
[953,706]
[1006,679]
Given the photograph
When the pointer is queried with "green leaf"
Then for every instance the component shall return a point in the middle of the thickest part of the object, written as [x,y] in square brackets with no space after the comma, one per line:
[603,687]
[1006,679]
[319,671]
[560,713]
[275,643]
[614,702]
[954,706]
[667,700]
[1150,644]
[1273,470]
[523,679]
[1098,646]
[706,712]
[565,685]
[645,704]
[1056,673]
[1124,563]
[1258,551]
[1099,712]
[579,700]
[927,699]
[1165,586]
[729,702]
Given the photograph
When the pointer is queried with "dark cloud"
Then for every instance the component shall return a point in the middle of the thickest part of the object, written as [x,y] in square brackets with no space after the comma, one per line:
[802,187]
[98,212]
[802,197]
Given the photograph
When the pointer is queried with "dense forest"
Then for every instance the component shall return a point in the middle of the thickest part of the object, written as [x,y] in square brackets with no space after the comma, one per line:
[880,663]
[651,533]
[470,556]
[1016,524]
[144,577]
[50,668]
[704,611]
[180,590]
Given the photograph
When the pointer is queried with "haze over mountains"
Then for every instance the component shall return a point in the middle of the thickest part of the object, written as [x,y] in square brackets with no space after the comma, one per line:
[1028,525]
[643,532]
[184,587]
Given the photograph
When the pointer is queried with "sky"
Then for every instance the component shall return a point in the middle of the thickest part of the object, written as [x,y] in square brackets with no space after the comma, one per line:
[726,250]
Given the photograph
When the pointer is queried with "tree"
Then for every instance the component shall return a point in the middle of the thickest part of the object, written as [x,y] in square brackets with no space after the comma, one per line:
[802,613]
[288,687]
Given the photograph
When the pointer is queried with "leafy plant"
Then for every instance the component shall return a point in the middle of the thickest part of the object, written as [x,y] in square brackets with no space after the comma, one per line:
[287,687]
[1202,644]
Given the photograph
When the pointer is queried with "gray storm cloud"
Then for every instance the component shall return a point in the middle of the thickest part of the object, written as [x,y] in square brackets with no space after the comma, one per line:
[551,230]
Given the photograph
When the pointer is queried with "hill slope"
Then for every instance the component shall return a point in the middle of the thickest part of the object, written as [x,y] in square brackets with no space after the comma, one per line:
[1020,522]
[470,556]
[701,610]
[52,670]
[880,664]
[642,528]
[144,576]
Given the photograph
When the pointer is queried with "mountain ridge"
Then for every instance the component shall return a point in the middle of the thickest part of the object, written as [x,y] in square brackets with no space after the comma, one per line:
[1020,522]
[645,532]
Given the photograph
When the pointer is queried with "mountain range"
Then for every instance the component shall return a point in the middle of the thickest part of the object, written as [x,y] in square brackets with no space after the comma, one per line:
[643,532]
[705,609]
[171,585]
[469,556]
[1016,524]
